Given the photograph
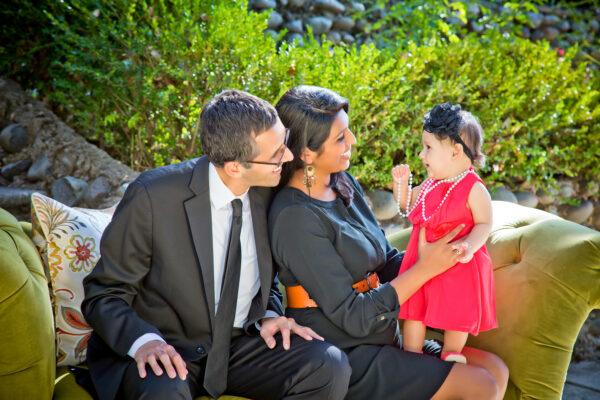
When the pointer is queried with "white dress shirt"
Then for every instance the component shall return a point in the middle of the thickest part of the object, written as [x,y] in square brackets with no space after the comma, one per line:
[221,214]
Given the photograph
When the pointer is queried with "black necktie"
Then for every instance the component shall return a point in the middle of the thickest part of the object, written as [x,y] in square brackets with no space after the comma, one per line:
[215,377]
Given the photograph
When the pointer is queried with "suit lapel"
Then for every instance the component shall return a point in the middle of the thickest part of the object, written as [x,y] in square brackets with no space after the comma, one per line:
[199,218]
[261,238]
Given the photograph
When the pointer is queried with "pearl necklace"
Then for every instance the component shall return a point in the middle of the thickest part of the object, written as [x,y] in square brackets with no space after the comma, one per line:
[428,186]
[405,215]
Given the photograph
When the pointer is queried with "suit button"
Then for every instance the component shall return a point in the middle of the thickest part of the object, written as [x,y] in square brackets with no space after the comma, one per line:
[200,350]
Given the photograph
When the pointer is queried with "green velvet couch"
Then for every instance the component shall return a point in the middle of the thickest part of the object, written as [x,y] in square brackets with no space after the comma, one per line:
[547,273]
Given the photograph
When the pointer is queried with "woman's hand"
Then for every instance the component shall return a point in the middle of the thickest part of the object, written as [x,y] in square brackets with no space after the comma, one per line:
[439,256]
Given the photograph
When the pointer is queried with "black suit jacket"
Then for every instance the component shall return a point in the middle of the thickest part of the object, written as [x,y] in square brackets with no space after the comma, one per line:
[155,273]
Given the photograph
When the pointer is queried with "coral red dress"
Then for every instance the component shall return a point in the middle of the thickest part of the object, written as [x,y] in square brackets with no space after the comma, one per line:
[462,298]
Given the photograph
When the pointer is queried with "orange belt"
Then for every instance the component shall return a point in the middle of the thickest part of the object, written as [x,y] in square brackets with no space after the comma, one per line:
[297,297]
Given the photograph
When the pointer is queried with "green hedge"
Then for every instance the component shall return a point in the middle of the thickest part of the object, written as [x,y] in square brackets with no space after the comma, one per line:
[134,76]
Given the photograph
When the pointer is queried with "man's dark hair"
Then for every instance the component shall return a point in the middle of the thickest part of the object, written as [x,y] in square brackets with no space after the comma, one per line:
[229,123]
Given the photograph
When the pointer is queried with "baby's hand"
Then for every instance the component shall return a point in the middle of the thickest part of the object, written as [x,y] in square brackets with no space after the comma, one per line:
[465,249]
[400,173]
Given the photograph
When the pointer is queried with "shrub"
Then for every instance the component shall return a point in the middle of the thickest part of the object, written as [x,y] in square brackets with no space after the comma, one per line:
[134,76]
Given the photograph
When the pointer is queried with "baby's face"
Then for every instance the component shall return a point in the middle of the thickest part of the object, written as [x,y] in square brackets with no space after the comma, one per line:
[437,156]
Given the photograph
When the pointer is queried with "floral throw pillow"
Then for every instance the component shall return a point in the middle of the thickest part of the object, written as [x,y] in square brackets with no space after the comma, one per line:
[68,239]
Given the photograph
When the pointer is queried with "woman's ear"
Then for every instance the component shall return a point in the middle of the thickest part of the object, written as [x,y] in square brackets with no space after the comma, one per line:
[308,155]
[233,169]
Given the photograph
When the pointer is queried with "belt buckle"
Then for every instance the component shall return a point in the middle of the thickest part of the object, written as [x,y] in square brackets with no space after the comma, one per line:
[367,275]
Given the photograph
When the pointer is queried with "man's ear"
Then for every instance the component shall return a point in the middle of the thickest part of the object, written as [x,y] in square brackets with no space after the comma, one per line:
[233,169]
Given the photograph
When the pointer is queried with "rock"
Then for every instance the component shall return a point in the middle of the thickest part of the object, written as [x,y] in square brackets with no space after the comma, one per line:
[473,10]
[11,197]
[579,213]
[384,205]
[4,181]
[577,27]
[343,23]
[360,25]
[550,33]
[527,199]
[121,189]
[275,20]
[270,32]
[297,3]
[564,26]
[294,26]
[537,35]
[330,5]
[535,20]
[263,4]
[13,138]
[550,20]
[39,169]
[572,39]
[594,26]
[97,191]
[378,12]
[545,9]
[319,25]
[525,32]
[69,190]
[294,38]
[546,198]
[503,194]
[283,2]
[348,38]
[356,7]
[475,27]
[566,190]
[456,21]
[334,37]
[591,189]
[11,170]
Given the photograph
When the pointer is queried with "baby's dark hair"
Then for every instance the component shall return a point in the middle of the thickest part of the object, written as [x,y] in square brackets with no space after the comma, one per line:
[449,121]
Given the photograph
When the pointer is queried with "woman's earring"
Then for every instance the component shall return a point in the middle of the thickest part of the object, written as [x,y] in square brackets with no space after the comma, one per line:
[309,175]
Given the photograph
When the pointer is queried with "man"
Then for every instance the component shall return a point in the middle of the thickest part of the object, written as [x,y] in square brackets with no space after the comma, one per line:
[182,301]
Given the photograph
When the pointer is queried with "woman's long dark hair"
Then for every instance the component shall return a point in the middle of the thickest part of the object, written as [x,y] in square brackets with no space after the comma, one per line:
[309,112]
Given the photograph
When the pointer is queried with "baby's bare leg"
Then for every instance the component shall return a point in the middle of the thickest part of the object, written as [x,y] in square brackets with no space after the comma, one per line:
[454,341]
[413,336]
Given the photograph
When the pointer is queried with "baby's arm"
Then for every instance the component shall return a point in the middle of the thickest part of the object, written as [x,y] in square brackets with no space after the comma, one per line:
[400,177]
[480,203]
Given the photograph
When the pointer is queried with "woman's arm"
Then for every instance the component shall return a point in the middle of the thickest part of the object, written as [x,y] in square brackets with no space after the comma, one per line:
[480,203]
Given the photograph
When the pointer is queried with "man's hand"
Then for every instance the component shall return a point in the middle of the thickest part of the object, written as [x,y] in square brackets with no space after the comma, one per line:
[438,256]
[156,350]
[270,326]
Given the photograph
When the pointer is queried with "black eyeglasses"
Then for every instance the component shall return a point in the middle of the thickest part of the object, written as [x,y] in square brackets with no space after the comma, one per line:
[278,163]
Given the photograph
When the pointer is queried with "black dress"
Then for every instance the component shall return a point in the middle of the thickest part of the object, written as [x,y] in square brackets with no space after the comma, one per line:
[326,247]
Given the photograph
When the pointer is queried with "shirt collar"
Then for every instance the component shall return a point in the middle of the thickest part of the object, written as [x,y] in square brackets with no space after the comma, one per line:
[220,194]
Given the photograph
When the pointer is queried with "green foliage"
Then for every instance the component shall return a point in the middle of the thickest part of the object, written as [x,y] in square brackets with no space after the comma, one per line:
[134,76]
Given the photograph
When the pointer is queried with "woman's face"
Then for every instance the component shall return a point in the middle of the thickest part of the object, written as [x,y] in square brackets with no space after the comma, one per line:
[334,155]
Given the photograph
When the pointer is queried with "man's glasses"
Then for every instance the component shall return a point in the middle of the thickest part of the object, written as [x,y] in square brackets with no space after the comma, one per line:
[280,161]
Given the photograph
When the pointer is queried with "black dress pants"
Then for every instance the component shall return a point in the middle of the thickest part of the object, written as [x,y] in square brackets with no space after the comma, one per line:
[308,370]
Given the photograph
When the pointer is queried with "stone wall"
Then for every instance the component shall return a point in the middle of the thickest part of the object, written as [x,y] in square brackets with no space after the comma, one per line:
[40,153]
[345,21]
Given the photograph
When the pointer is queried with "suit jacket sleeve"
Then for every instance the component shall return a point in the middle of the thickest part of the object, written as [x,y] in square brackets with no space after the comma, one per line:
[111,288]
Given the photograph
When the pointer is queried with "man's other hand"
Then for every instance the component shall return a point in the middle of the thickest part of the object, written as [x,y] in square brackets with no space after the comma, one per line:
[270,326]
[155,350]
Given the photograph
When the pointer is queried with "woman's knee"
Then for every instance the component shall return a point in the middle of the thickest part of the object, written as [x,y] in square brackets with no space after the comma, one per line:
[468,382]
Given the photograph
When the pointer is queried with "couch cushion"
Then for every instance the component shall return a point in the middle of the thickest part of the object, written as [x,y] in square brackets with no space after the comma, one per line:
[68,239]
[546,271]
[27,361]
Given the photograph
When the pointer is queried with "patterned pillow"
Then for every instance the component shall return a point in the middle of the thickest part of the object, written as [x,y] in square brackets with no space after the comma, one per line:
[68,239]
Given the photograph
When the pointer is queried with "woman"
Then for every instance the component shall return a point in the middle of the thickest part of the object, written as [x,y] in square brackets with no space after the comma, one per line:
[325,239]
